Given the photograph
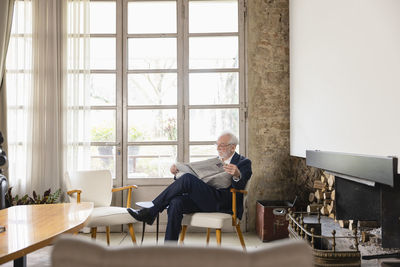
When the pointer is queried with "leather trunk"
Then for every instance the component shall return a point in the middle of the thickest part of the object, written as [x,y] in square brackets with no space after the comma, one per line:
[271,223]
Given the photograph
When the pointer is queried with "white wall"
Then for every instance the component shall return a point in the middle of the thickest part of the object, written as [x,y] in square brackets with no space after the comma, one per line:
[345,76]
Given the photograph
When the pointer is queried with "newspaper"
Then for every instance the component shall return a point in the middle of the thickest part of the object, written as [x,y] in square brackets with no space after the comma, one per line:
[211,171]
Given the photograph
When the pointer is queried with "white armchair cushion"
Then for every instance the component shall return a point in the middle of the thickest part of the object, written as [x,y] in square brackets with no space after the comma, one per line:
[105,216]
[214,220]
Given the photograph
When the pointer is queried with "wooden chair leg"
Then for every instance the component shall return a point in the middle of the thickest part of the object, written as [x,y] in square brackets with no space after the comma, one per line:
[132,233]
[218,234]
[208,236]
[183,232]
[108,235]
[239,233]
[93,231]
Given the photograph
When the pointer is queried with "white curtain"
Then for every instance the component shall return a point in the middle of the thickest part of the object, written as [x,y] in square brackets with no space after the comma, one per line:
[6,13]
[48,73]
[76,85]
[19,91]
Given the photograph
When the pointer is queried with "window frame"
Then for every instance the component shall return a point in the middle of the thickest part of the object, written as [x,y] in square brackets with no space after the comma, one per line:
[183,71]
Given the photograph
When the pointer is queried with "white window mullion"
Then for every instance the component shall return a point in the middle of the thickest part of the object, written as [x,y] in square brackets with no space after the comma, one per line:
[124,7]
[119,96]
[242,79]
[185,78]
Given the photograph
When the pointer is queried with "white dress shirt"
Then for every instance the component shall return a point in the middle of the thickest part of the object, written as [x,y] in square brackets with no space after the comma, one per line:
[228,161]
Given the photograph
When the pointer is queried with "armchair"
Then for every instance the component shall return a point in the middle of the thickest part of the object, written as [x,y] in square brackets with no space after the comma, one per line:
[96,186]
[214,220]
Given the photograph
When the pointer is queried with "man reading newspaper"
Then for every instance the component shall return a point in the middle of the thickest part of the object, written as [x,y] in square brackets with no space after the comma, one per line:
[201,187]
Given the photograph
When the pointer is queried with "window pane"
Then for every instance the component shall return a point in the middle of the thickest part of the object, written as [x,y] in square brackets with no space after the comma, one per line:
[152,89]
[102,89]
[78,16]
[213,52]
[17,56]
[222,16]
[207,124]
[103,158]
[213,88]
[152,17]
[152,53]
[102,125]
[199,152]
[19,88]
[22,17]
[150,161]
[152,125]
[102,53]
[102,17]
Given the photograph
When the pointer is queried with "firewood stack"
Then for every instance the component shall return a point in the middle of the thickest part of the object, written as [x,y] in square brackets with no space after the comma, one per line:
[323,199]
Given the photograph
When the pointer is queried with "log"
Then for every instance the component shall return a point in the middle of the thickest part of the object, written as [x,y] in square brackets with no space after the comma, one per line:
[311,197]
[352,224]
[343,223]
[327,195]
[365,236]
[327,202]
[331,207]
[318,194]
[319,185]
[324,210]
[333,193]
[331,180]
[323,178]
[314,207]
[368,224]
[332,215]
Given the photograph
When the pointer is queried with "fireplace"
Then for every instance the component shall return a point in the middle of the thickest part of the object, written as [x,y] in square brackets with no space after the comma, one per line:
[367,189]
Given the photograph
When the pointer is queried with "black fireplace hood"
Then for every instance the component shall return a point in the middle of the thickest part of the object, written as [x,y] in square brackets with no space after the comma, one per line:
[382,170]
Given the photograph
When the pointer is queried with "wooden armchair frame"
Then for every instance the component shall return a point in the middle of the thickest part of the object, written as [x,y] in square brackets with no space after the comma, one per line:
[235,222]
[93,230]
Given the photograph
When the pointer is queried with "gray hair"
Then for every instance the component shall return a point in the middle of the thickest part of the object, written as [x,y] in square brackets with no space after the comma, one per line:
[233,139]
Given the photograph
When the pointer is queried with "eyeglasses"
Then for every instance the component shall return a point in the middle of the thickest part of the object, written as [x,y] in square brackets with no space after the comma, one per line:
[222,145]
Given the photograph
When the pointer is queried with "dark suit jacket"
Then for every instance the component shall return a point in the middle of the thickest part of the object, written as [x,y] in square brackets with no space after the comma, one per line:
[244,166]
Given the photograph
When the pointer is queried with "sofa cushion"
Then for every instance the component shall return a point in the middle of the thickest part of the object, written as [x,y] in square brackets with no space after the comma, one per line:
[71,251]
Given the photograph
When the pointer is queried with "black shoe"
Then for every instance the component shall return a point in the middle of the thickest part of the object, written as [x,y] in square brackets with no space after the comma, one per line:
[142,215]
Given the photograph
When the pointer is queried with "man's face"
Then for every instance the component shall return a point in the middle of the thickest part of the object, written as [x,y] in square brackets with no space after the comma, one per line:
[225,150]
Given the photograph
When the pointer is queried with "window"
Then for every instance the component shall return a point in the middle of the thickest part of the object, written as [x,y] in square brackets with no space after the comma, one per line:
[166,78]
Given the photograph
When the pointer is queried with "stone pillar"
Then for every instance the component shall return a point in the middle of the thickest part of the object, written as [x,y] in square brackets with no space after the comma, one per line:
[268,96]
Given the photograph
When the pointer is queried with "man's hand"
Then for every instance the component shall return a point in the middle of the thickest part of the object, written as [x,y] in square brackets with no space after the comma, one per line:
[174,169]
[232,169]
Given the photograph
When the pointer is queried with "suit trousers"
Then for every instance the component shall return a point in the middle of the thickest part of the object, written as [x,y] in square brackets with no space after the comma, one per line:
[188,194]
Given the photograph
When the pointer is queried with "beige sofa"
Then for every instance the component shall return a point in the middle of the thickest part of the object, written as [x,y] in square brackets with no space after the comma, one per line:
[72,251]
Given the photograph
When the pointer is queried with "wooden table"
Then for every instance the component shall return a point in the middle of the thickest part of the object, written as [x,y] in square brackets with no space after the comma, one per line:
[31,227]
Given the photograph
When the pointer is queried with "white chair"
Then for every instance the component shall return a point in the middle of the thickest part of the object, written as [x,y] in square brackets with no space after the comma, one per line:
[214,220]
[96,186]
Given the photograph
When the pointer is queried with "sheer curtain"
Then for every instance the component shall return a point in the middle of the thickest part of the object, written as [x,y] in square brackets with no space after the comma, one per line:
[48,73]
[43,150]
[76,85]
[6,13]
[19,90]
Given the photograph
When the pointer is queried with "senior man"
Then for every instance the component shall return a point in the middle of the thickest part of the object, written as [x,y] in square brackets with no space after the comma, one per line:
[189,194]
